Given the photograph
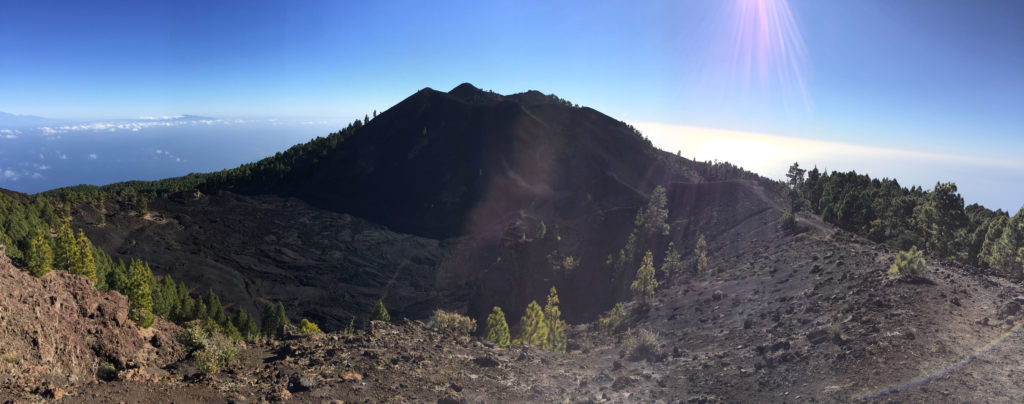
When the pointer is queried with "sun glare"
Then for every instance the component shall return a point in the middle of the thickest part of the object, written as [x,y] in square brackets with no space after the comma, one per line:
[766,49]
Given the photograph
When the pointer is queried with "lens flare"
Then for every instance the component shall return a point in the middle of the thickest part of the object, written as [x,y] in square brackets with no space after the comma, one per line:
[942,372]
[762,46]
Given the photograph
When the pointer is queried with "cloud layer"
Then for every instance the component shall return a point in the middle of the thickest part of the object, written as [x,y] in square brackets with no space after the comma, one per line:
[981,178]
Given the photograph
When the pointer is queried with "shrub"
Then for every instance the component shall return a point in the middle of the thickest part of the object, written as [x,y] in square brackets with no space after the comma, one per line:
[210,349]
[309,328]
[614,320]
[351,328]
[380,313]
[641,344]
[788,222]
[908,263]
[447,321]
[106,372]
[218,353]
[497,328]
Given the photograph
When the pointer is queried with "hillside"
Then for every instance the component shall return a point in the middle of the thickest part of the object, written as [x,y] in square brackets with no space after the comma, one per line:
[433,203]
[805,318]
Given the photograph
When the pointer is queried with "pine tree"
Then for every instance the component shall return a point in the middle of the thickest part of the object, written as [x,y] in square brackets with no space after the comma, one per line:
[533,330]
[64,248]
[282,317]
[214,309]
[84,263]
[497,328]
[139,296]
[199,310]
[380,313]
[556,340]
[117,278]
[672,264]
[169,295]
[701,252]
[186,305]
[40,255]
[246,326]
[645,283]
[159,302]
[271,325]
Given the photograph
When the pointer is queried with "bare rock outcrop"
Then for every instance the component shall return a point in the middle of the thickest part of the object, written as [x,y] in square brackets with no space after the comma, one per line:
[60,329]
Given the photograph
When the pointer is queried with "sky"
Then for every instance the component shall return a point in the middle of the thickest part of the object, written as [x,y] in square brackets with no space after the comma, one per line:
[919,90]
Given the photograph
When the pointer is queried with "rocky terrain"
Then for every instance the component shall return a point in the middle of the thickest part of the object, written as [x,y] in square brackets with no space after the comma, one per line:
[58,334]
[811,317]
[468,199]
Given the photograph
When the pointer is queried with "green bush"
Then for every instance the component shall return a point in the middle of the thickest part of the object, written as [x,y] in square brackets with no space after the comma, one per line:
[788,222]
[447,321]
[380,313]
[908,263]
[309,328]
[106,372]
[641,344]
[210,349]
[614,320]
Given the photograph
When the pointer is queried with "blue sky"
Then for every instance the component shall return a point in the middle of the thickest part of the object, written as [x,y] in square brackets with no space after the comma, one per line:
[941,77]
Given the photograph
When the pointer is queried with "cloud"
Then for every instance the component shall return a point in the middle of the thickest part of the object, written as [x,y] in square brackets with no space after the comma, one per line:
[62,156]
[165,117]
[164,154]
[981,179]
[137,125]
[9,133]
[771,155]
[92,156]
[8,174]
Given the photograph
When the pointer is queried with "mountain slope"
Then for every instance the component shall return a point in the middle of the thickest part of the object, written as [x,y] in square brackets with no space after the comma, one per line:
[468,173]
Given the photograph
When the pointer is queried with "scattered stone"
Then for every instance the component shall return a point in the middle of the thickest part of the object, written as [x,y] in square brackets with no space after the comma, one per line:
[818,336]
[350,376]
[486,361]
[622,382]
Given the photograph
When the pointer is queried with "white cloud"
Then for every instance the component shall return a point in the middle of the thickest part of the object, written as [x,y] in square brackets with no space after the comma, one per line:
[165,117]
[62,156]
[10,175]
[980,179]
[92,156]
[166,154]
[135,126]
[9,133]
[36,176]
[771,155]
